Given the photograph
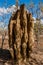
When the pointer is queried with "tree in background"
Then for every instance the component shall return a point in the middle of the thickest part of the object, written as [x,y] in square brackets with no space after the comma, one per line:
[4,25]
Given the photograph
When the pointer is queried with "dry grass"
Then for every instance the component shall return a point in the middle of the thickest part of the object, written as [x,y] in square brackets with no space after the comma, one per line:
[36,57]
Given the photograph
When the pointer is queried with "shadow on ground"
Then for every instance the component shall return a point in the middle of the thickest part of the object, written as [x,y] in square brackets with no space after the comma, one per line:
[5,54]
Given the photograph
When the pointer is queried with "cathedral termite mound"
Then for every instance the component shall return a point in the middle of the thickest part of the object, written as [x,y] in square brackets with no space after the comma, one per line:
[20,30]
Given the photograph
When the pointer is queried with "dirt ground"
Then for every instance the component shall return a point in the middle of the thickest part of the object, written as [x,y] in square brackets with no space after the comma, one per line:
[36,57]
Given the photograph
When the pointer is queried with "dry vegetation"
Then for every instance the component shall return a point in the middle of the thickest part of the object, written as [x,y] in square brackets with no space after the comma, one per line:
[36,57]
